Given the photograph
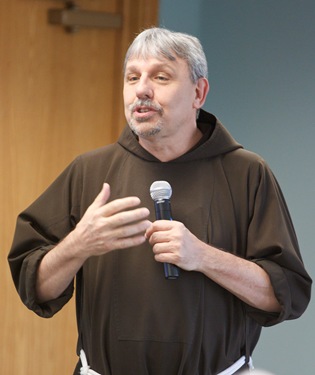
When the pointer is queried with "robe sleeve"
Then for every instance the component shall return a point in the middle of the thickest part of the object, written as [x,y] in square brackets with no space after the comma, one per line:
[273,245]
[38,229]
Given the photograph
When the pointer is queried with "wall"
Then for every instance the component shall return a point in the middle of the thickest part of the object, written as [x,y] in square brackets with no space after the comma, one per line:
[60,95]
[261,57]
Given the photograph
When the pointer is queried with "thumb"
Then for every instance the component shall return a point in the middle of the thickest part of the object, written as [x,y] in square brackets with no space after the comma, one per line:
[103,196]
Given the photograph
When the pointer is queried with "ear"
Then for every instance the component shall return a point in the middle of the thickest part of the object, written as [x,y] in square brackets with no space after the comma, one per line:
[202,89]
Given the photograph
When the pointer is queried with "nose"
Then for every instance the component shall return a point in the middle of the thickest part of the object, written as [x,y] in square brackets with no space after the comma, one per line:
[144,89]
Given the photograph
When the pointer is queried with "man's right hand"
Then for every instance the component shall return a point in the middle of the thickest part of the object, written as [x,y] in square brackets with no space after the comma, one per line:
[110,226]
[104,227]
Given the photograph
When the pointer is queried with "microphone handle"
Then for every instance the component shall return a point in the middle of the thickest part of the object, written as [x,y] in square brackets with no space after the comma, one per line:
[163,212]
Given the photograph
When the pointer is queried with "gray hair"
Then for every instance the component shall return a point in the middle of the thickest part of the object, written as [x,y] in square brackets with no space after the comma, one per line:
[159,42]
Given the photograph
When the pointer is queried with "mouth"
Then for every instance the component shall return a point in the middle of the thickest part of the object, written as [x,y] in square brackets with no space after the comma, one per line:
[144,112]
[143,109]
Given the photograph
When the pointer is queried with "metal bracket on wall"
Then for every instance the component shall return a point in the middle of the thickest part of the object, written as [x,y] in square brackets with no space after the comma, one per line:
[73,18]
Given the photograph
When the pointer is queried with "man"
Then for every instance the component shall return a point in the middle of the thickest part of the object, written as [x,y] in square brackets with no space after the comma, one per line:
[231,237]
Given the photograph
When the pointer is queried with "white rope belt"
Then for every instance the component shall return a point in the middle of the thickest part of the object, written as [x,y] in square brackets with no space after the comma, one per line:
[85,369]
[237,365]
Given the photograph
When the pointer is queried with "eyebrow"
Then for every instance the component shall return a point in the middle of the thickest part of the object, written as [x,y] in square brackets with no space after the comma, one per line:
[154,66]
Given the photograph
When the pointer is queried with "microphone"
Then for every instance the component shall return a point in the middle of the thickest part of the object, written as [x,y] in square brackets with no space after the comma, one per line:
[161,193]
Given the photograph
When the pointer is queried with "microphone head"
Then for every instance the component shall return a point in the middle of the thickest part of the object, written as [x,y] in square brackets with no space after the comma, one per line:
[160,190]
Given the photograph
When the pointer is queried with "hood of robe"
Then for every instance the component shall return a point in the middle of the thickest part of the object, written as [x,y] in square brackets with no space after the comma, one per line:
[218,141]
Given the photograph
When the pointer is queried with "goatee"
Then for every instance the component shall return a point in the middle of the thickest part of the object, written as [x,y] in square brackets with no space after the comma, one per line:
[144,131]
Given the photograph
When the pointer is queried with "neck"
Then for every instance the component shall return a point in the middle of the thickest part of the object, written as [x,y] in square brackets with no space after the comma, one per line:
[167,149]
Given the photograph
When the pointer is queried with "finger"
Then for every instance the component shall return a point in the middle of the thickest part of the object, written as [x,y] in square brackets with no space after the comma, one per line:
[127,242]
[129,236]
[131,230]
[160,237]
[164,248]
[163,253]
[127,217]
[119,205]
[158,226]
[103,196]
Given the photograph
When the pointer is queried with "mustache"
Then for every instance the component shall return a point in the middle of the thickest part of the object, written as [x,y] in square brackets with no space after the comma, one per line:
[145,103]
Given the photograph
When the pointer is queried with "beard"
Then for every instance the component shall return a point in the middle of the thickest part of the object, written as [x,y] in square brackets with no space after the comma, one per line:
[145,127]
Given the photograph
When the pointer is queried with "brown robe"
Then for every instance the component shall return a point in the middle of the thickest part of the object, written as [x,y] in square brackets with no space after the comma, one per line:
[131,319]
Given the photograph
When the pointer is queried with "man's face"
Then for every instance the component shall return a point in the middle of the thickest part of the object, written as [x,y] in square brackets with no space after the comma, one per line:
[159,97]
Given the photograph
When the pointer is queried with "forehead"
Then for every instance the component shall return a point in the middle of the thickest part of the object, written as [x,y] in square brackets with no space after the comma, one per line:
[151,62]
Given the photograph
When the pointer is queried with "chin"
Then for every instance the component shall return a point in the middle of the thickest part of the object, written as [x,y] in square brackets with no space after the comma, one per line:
[144,130]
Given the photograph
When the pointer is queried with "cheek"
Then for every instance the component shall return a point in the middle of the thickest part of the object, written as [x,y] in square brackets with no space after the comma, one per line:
[184,94]
[181,102]
[127,96]
[170,99]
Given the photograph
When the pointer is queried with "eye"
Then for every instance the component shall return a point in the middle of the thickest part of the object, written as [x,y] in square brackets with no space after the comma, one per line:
[161,78]
[132,78]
